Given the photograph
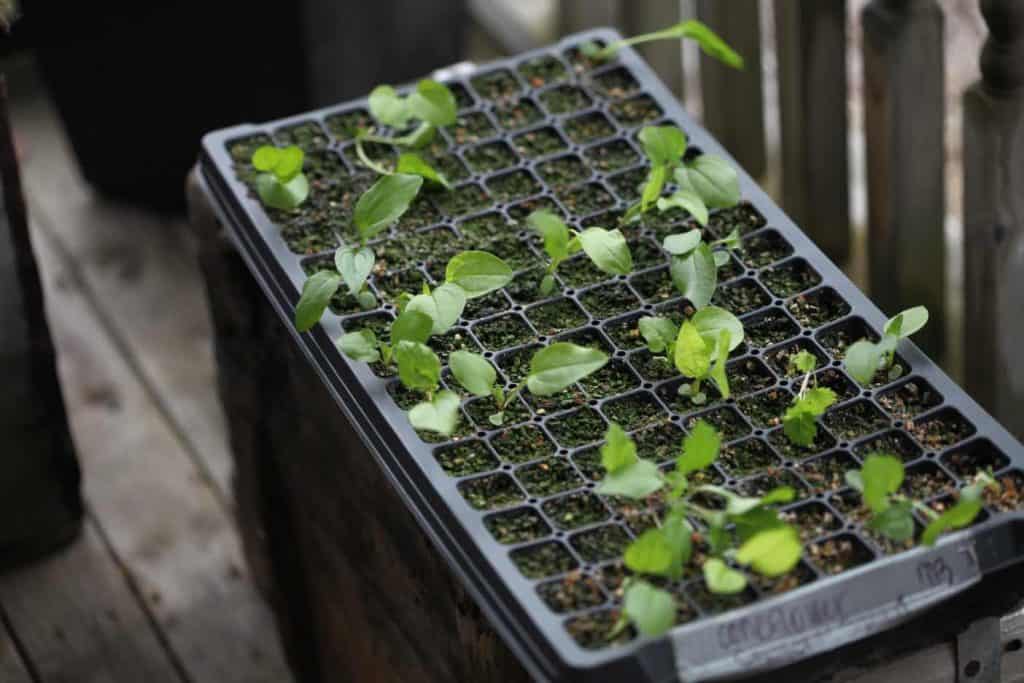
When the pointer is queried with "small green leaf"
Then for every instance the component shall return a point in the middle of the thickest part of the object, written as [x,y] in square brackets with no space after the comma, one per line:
[652,610]
[693,355]
[619,450]
[773,552]
[636,481]
[478,273]
[418,366]
[695,275]
[854,480]
[799,426]
[682,243]
[360,345]
[289,163]
[355,265]
[723,579]
[700,448]
[678,535]
[721,258]
[862,361]
[265,158]
[554,233]
[907,322]
[895,522]
[956,517]
[803,361]
[412,325]
[413,164]
[434,103]
[754,522]
[608,250]
[712,179]
[718,369]
[388,107]
[385,202]
[282,195]
[316,295]
[663,145]
[653,186]
[817,400]
[440,415]
[473,371]
[689,201]
[882,476]
[649,553]
[659,333]
[560,365]
[419,138]
[443,305]
[711,321]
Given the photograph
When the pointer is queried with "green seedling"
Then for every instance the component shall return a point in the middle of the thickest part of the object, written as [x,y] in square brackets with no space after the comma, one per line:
[745,532]
[699,348]
[695,263]
[800,422]
[879,480]
[607,249]
[280,183]
[691,29]
[703,182]
[865,358]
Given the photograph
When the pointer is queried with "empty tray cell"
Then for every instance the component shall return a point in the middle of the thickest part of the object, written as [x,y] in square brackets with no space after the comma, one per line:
[634,411]
[844,387]
[342,302]
[392,284]
[585,200]
[726,420]
[420,214]
[515,185]
[565,99]
[682,403]
[465,458]
[308,135]
[325,171]
[598,630]
[823,441]
[539,143]
[837,554]
[747,457]
[603,543]
[449,166]
[636,111]
[499,85]
[717,603]
[502,332]
[548,477]
[577,428]
[519,114]
[607,301]
[942,429]
[660,443]
[1010,496]
[628,184]
[748,375]
[742,217]
[517,526]
[760,484]
[456,339]
[614,378]
[588,127]
[612,156]
[926,480]
[483,228]
[473,127]
[563,171]
[556,316]
[732,268]
[765,410]
[516,363]
[525,443]
[413,248]
[492,156]
[491,492]
[519,212]
[763,249]
[241,150]
[572,593]
[974,457]
[346,125]
[740,298]
[818,307]
[485,306]
[827,472]
[893,442]
[588,462]
[910,399]
[403,398]
[789,278]
[542,70]
[545,559]
[481,409]
[813,520]
[780,357]
[651,367]
[575,510]
[617,83]
[464,199]
[625,332]
[315,230]
[856,420]
[769,327]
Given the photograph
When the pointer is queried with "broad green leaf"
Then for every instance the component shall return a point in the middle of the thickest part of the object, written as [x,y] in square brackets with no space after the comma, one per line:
[265,158]
[317,291]
[636,481]
[360,345]
[678,534]
[682,243]
[779,494]
[723,579]
[718,368]
[355,265]
[689,201]
[560,365]
[444,305]
[440,415]
[799,426]
[817,400]
[282,195]
[433,102]
[854,480]
[695,275]
[773,552]
[663,145]
[710,321]
[710,42]
[385,202]
[803,361]
[478,272]
[608,250]
[693,355]
[735,504]
[473,371]
[553,231]
[659,333]
[895,522]
[712,179]
[956,517]
[419,138]
[649,553]
[652,610]
[882,476]
[418,366]
[652,187]
[755,521]
[289,163]
[700,448]
[907,322]
[412,325]
[413,164]
[388,107]
[862,361]
[619,450]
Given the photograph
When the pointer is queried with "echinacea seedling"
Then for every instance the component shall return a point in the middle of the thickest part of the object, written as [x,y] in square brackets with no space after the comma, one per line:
[691,29]
[766,545]
[800,422]
[607,249]
[699,348]
[695,263]
[865,358]
[280,183]
[879,480]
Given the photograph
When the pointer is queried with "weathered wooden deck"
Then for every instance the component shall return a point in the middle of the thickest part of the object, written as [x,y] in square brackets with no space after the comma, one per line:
[156,589]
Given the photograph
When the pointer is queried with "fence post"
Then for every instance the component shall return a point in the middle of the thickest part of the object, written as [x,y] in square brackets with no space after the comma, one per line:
[994,218]
[811,46]
[664,56]
[904,116]
[733,100]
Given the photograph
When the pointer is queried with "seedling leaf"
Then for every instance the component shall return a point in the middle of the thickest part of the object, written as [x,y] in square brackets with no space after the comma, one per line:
[360,345]
[554,233]
[689,201]
[388,107]
[649,553]
[695,275]
[660,333]
[608,250]
[712,179]
[907,322]
[440,415]
[721,578]
[862,361]
[882,476]
[711,321]
[410,163]
[385,202]
[773,552]
[418,366]
[663,145]
[682,243]
[473,371]
[652,610]
[700,448]
[560,365]
[434,103]
[355,265]
[692,353]
[635,481]
[282,195]
[478,273]
[412,325]
[619,450]
[317,291]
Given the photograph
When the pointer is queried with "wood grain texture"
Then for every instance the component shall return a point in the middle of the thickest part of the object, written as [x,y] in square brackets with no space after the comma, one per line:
[904,120]
[811,49]
[664,56]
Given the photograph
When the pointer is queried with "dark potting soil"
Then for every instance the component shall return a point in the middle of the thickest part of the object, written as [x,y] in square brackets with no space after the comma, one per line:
[576,510]
[522,444]
[491,492]
[491,156]
[565,99]
[563,171]
[548,477]
[588,127]
[813,520]
[577,428]
[515,185]
[541,71]
[636,111]
[517,526]
[539,143]
[909,399]
[608,301]
[612,156]
[574,592]
[473,127]
[838,553]
[789,278]
[586,199]
[544,559]
[519,114]
[556,316]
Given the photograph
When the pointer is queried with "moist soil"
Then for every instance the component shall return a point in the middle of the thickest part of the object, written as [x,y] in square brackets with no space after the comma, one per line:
[941,430]
[813,520]
[565,99]
[541,71]
[770,327]
[522,444]
[481,409]
[574,592]
[627,184]
[492,156]
[577,428]
[608,301]
[544,559]
[346,125]
[625,333]
[910,399]
[613,379]
[725,420]
[926,481]
[465,458]
[839,553]
[575,510]
[517,526]
[592,630]
[548,477]
[612,156]
[634,411]
[502,332]
[563,171]
[765,410]
[539,143]
[637,111]
[521,114]
[790,278]
[653,368]
[743,217]
[515,185]
[556,316]
[740,298]
[472,127]
[779,357]
[462,200]
[617,83]
[791,451]
[585,200]
[747,457]
[491,492]
[588,127]
[818,307]
[497,86]
[308,135]
[764,249]
[828,472]
[603,543]
[891,443]
[855,420]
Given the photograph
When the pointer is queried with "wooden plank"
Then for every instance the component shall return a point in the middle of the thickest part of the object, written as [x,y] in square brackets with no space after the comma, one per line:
[994,219]
[734,100]
[579,15]
[664,56]
[12,666]
[79,622]
[810,40]
[904,117]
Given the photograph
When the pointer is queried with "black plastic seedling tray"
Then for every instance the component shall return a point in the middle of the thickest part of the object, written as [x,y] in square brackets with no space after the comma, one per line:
[551,591]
